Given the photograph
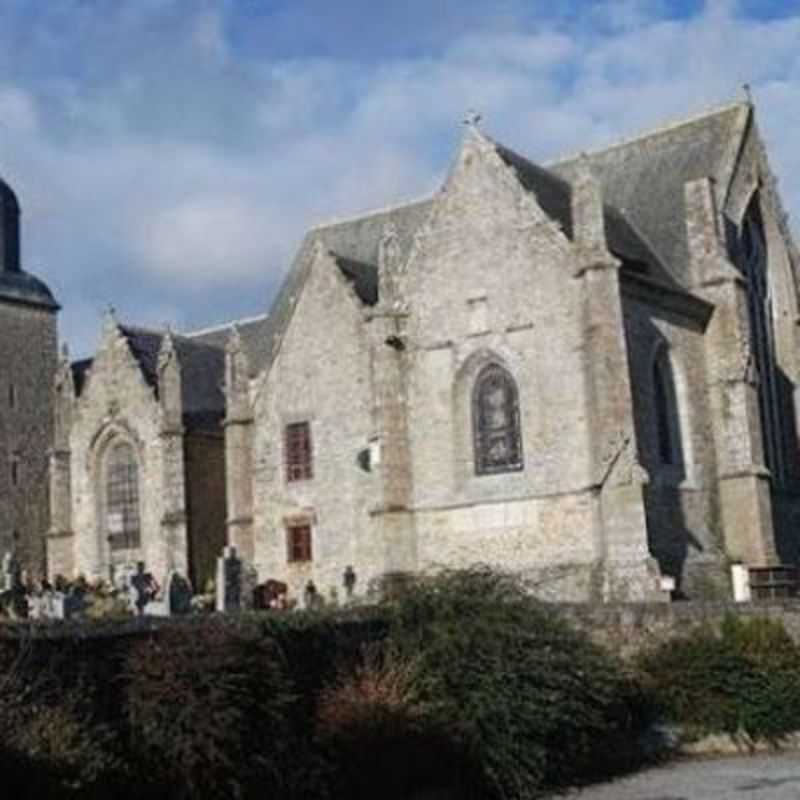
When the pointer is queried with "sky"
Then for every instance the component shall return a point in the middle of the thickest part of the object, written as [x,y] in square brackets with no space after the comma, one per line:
[169,154]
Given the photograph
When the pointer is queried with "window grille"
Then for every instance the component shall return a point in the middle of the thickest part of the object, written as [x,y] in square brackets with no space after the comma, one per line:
[298,452]
[122,497]
[298,540]
[495,421]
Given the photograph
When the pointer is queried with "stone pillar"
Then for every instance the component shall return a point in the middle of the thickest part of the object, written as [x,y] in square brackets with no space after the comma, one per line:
[60,537]
[239,432]
[173,519]
[628,570]
[743,480]
[387,331]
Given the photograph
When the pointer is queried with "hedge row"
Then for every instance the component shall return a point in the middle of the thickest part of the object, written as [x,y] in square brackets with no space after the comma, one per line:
[464,686]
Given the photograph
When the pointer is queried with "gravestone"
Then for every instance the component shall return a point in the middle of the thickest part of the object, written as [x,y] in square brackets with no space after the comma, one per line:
[178,594]
[229,580]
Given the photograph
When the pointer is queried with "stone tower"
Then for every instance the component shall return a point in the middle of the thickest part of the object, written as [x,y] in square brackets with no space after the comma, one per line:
[28,344]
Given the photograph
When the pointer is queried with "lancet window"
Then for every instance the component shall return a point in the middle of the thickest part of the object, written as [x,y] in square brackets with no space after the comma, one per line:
[122,497]
[754,259]
[496,422]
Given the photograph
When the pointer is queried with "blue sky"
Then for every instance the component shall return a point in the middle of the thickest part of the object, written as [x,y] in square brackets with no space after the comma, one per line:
[169,154]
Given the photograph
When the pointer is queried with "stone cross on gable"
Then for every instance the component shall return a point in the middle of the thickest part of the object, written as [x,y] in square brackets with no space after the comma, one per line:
[472,118]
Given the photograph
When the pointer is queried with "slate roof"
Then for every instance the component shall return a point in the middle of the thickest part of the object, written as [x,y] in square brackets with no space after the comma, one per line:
[643,178]
[363,277]
[354,245]
[643,183]
[22,287]
[16,285]
[254,334]
[202,373]
[554,194]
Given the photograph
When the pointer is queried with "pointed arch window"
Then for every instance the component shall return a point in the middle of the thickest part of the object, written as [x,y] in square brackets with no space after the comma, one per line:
[122,497]
[754,259]
[670,451]
[495,422]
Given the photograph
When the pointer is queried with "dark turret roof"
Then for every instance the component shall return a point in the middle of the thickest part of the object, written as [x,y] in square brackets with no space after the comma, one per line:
[16,285]
[22,287]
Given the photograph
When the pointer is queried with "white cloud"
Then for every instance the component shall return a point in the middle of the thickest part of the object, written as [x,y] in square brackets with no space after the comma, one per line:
[18,111]
[157,161]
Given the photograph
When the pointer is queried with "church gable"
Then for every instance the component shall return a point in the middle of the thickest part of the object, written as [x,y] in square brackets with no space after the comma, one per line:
[491,251]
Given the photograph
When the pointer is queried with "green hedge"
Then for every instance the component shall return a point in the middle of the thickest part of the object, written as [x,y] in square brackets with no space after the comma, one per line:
[745,678]
[462,685]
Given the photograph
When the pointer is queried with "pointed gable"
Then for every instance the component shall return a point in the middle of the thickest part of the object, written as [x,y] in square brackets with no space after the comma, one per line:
[202,372]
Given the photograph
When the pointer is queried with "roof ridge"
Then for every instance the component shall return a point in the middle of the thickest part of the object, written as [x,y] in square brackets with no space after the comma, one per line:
[223,325]
[535,164]
[333,221]
[665,127]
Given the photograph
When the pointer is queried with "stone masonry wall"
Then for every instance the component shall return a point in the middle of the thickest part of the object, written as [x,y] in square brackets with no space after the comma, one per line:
[492,281]
[116,403]
[681,500]
[28,353]
[321,375]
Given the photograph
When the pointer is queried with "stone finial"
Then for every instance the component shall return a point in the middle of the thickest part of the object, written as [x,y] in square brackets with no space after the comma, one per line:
[234,343]
[169,384]
[747,94]
[167,350]
[64,352]
[110,323]
[472,119]
[588,214]
[237,377]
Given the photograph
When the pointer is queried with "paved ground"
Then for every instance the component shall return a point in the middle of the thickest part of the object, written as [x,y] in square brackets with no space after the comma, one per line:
[771,777]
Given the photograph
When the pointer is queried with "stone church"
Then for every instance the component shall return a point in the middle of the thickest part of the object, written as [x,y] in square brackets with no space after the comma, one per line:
[585,371]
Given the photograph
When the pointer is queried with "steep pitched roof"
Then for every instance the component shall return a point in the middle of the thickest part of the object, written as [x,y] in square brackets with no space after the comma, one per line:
[554,195]
[643,178]
[202,373]
[253,332]
[354,244]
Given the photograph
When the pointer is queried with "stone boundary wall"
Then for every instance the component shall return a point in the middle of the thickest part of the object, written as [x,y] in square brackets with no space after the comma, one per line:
[627,628]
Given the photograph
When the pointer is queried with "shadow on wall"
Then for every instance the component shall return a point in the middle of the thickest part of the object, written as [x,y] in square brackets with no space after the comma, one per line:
[662,450]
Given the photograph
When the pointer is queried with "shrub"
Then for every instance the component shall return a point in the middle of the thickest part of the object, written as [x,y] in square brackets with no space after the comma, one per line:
[51,738]
[208,709]
[529,702]
[380,735]
[743,679]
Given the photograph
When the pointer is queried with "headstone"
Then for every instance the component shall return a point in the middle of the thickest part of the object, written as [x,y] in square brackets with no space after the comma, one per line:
[229,580]
[178,594]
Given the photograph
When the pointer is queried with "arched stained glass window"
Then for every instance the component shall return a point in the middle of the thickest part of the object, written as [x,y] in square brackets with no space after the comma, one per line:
[495,422]
[122,497]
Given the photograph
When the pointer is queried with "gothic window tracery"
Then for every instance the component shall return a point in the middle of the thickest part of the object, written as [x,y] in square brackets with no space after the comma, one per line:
[495,421]
[122,497]
[754,259]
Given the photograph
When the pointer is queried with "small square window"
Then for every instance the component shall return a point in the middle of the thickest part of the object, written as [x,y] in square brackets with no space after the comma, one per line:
[298,452]
[298,542]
